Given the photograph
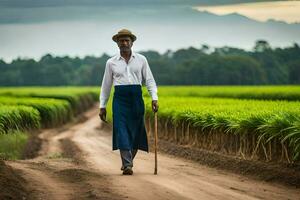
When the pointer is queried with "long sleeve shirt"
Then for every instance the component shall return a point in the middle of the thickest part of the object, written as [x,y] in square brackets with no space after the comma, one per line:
[118,72]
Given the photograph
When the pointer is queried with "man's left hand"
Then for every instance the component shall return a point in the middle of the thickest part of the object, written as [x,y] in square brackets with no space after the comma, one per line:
[154,105]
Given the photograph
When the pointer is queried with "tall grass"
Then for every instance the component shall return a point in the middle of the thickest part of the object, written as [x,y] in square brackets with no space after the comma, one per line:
[12,145]
[18,118]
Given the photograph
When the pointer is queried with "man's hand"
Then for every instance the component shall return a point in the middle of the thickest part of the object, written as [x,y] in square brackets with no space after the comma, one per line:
[154,105]
[102,114]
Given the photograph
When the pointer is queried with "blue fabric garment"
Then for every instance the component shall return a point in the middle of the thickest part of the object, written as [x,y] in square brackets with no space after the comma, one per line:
[128,118]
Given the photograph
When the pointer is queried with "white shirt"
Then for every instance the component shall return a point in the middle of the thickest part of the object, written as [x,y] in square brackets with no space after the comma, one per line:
[118,72]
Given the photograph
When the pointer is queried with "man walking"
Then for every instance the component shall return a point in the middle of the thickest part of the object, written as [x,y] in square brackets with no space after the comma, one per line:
[126,71]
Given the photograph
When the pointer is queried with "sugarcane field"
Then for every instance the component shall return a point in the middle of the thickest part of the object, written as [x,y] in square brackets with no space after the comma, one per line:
[241,141]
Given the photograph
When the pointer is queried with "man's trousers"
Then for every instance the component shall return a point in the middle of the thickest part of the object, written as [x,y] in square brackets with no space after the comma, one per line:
[127,157]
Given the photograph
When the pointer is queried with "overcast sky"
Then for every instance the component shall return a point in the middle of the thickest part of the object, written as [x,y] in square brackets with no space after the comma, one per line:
[32,28]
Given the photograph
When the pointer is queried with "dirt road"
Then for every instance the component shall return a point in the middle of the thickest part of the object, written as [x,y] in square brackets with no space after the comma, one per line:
[76,162]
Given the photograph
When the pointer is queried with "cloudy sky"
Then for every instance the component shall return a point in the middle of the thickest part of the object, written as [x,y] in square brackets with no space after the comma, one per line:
[32,28]
[288,11]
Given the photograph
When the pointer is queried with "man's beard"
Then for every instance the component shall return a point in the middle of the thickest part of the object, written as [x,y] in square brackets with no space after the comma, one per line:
[125,48]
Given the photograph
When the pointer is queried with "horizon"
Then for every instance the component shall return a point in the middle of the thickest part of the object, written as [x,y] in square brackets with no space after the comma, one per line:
[211,50]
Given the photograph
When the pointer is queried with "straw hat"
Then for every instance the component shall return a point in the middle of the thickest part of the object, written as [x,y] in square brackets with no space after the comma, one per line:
[124,32]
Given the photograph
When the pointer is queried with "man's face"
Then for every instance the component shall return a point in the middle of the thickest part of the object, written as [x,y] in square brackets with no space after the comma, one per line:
[124,43]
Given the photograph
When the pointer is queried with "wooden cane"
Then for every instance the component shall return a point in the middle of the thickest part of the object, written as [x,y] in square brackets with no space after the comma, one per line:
[155,142]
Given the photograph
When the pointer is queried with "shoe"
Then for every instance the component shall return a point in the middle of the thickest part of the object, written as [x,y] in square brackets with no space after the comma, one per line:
[127,171]
[122,168]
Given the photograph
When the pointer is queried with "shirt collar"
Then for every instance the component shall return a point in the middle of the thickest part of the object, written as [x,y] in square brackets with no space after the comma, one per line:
[133,55]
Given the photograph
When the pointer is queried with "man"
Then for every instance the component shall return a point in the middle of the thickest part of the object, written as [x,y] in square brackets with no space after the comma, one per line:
[126,71]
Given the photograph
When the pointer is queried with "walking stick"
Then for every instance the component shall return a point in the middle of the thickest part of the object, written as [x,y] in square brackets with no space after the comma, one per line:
[155,142]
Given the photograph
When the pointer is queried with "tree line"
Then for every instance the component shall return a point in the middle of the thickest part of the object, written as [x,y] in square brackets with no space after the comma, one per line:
[191,66]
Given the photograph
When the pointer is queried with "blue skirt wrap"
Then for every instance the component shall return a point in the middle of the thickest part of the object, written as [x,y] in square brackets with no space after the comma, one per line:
[128,118]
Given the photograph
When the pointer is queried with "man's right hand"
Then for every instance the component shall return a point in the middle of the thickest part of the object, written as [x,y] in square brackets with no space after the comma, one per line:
[102,114]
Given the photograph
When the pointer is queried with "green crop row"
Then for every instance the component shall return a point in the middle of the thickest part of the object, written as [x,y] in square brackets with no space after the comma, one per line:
[56,105]
[290,93]
[53,112]
[80,98]
[266,121]
[18,118]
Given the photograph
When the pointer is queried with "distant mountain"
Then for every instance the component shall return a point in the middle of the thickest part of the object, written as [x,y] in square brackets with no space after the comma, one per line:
[81,30]
[47,3]
[108,11]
